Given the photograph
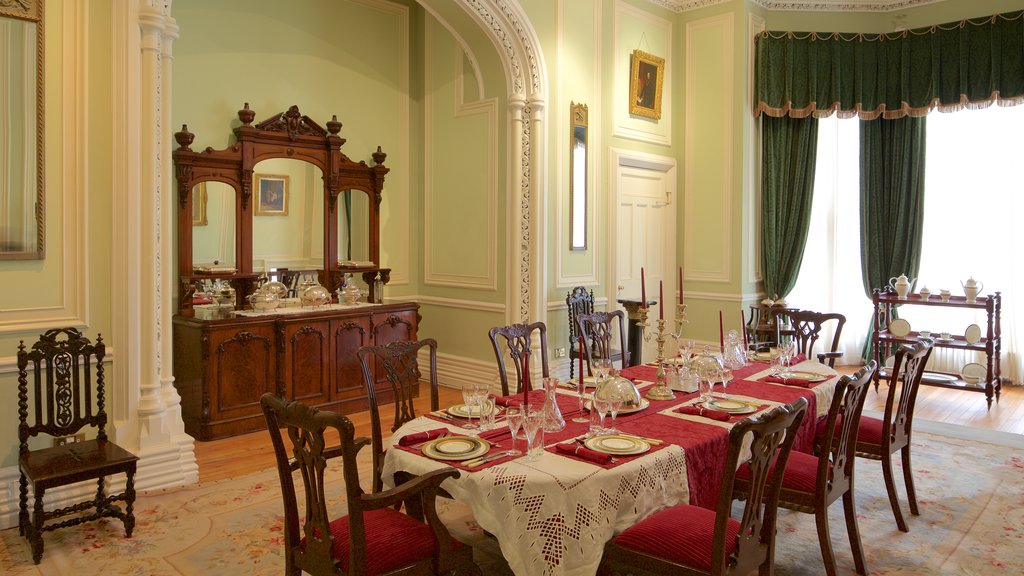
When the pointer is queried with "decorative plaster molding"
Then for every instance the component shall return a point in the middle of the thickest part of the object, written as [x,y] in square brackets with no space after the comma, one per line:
[625,125]
[456,303]
[833,6]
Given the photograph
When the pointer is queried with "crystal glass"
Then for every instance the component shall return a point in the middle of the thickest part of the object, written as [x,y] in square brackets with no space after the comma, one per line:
[724,376]
[487,411]
[470,398]
[602,367]
[685,349]
[533,424]
[580,393]
[776,361]
[514,418]
[614,405]
[704,389]
[601,405]
[786,349]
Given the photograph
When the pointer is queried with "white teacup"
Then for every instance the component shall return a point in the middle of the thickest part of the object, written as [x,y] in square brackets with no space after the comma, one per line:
[925,334]
[945,336]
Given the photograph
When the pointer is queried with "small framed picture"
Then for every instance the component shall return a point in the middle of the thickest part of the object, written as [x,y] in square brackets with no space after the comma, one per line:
[199,205]
[646,73]
[271,195]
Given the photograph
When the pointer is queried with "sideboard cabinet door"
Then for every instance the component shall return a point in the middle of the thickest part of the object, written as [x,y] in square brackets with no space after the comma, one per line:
[348,335]
[306,365]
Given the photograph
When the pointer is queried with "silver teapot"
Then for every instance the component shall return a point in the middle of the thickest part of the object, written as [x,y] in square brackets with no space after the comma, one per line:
[264,300]
[314,295]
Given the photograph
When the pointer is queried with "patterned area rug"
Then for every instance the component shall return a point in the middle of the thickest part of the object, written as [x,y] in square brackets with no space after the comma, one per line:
[972,524]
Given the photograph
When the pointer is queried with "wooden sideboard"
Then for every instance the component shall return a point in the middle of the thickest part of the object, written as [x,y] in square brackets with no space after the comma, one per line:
[222,367]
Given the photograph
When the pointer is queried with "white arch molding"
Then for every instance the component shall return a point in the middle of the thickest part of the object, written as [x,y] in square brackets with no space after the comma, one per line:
[148,417]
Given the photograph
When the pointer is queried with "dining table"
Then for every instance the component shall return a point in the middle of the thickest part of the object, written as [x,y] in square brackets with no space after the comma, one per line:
[553,515]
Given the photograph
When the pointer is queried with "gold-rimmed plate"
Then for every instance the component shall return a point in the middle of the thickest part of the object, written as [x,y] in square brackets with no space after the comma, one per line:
[455,448]
[617,444]
[644,403]
[730,406]
[463,411]
[809,376]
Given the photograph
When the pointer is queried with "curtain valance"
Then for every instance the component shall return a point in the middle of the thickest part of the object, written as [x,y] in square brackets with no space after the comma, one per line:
[966,64]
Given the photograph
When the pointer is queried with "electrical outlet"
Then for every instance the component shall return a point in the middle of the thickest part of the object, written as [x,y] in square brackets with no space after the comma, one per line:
[62,440]
[560,352]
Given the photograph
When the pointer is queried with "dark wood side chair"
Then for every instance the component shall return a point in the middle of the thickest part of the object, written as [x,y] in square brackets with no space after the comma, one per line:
[513,341]
[601,327]
[812,483]
[399,364]
[374,537]
[807,326]
[578,301]
[690,540]
[879,439]
[66,395]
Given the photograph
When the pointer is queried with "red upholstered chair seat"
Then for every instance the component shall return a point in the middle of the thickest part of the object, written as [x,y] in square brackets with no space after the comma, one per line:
[801,472]
[682,534]
[393,540]
[870,431]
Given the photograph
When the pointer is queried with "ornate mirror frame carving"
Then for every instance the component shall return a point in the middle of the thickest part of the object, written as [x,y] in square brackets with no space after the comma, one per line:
[31,11]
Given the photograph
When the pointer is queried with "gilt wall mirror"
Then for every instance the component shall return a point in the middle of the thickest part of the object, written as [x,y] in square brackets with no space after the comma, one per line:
[22,233]
[578,177]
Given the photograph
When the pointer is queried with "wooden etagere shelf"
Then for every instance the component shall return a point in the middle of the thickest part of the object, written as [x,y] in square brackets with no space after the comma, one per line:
[884,342]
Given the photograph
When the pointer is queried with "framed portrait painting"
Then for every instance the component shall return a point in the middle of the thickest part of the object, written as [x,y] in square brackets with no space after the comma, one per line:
[199,205]
[646,73]
[271,195]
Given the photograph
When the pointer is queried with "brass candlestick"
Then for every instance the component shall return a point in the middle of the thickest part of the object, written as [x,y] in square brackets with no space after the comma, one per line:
[660,391]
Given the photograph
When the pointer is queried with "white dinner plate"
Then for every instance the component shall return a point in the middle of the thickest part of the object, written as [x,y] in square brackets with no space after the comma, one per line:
[455,448]
[973,373]
[644,403]
[617,444]
[730,406]
[973,334]
[899,327]
[463,411]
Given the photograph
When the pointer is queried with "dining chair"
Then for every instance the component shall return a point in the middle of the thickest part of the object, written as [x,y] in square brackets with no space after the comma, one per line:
[514,342]
[807,326]
[601,328]
[65,397]
[690,540]
[812,483]
[879,439]
[374,537]
[578,302]
[398,363]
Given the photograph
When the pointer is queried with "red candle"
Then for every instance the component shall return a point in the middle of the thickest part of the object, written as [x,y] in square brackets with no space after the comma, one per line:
[643,289]
[582,345]
[680,284]
[661,301]
[743,323]
[526,379]
[721,336]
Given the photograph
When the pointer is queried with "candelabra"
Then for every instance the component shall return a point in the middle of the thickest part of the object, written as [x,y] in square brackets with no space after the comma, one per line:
[660,390]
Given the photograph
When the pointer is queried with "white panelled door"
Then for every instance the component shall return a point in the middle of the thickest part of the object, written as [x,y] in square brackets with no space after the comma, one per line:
[643,233]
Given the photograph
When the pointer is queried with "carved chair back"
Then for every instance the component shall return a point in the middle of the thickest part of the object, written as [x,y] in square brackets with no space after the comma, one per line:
[513,341]
[908,369]
[838,443]
[399,363]
[807,326]
[579,301]
[602,329]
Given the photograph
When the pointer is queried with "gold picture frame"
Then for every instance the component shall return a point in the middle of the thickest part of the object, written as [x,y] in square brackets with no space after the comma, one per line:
[199,205]
[646,76]
[271,195]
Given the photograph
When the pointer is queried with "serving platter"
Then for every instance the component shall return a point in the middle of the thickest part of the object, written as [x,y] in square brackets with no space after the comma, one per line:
[455,448]
[973,334]
[899,327]
[617,444]
[973,373]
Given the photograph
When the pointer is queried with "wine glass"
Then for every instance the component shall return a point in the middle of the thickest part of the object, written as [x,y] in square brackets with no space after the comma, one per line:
[514,417]
[614,405]
[601,405]
[602,366]
[725,376]
[580,391]
[469,398]
[775,354]
[786,350]
[480,394]
[533,425]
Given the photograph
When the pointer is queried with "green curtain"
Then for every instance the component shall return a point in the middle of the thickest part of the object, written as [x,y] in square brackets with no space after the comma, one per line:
[892,154]
[789,150]
[970,63]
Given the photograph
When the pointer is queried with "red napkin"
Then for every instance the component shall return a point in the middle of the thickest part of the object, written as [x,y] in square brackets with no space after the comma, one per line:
[705,412]
[418,437]
[496,433]
[801,382]
[536,399]
[584,452]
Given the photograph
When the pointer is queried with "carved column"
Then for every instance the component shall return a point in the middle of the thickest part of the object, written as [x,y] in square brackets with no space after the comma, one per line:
[519,284]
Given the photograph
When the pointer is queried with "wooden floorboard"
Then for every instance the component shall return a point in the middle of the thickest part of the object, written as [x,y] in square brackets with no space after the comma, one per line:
[241,455]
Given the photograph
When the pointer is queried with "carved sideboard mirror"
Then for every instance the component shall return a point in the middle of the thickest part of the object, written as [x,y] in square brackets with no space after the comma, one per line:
[283,196]
[22,230]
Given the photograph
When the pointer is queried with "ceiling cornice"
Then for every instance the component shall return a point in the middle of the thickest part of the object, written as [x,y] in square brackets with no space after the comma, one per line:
[831,6]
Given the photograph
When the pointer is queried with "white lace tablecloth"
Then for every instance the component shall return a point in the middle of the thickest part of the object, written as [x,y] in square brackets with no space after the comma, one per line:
[554,515]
